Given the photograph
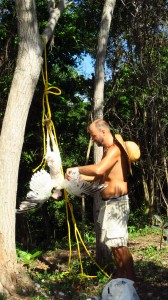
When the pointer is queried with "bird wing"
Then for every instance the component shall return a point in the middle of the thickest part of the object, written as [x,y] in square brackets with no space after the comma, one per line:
[76,187]
[83,187]
[41,186]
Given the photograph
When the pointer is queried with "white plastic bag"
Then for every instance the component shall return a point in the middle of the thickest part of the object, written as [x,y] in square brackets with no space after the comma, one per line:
[120,289]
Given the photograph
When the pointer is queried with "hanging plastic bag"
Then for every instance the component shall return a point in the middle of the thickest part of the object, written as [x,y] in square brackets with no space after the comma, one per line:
[120,289]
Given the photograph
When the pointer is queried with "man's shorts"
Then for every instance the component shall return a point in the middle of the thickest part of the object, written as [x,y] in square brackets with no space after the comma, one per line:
[113,217]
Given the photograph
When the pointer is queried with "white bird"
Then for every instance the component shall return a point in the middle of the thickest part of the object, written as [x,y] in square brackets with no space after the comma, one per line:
[44,185]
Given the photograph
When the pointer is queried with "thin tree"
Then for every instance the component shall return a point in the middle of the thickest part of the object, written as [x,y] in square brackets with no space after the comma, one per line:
[26,75]
[109,5]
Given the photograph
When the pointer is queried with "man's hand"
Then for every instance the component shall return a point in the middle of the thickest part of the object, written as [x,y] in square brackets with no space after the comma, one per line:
[71,173]
[68,173]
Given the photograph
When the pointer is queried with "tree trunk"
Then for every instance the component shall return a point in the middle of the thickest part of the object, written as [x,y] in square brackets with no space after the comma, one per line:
[102,252]
[27,72]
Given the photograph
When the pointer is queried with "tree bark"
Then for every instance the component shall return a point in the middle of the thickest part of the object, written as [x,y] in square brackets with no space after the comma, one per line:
[102,252]
[26,75]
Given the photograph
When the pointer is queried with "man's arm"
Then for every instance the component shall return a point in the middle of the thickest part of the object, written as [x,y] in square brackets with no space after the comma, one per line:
[98,170]
[82,177]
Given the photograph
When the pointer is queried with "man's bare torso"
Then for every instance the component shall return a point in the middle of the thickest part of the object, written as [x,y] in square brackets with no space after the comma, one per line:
[116,176]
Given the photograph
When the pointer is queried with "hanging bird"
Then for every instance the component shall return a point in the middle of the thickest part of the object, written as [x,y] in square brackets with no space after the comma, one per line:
[44,185]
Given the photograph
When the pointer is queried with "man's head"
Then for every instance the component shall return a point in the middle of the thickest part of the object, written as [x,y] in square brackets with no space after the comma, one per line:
[99,129]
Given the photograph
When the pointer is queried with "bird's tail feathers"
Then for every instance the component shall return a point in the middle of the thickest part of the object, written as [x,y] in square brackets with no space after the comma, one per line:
[25,206]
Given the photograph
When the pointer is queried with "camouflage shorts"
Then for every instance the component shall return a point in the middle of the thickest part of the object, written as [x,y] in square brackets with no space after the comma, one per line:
[113,217]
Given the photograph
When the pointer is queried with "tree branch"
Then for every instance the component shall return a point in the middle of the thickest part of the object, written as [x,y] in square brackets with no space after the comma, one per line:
[55,14]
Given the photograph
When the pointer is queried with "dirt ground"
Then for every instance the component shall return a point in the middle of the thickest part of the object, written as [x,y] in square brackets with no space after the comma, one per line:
[151,268]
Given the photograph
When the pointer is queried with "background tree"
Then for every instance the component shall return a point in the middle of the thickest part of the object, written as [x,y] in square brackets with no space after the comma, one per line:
[101,250]
[26,75]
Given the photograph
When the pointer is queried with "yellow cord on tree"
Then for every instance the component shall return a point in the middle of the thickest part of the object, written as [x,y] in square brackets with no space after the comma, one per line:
[46,112]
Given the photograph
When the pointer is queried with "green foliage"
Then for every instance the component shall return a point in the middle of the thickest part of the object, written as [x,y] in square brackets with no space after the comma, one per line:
[39,297]
[89,237]
[150,252]
[28,157]
[137,217]
[27,257]
[3,296]
[57,214]
[137,232]
[132,229]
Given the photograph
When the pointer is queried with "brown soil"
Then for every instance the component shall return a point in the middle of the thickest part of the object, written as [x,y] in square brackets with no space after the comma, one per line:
[152,271]
[151,268]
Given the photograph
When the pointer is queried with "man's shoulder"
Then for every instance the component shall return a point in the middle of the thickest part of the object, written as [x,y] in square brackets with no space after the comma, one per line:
[113,150]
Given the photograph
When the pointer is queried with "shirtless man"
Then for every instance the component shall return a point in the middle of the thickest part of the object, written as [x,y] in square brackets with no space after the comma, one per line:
[112,170]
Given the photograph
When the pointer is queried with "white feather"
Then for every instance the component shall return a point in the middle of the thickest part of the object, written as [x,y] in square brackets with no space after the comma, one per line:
[41,185]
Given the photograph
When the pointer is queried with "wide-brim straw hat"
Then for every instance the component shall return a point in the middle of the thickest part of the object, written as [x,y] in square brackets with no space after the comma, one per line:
[131,149]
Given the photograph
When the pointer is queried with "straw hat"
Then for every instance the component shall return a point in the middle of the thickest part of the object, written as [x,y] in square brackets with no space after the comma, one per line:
[131,149]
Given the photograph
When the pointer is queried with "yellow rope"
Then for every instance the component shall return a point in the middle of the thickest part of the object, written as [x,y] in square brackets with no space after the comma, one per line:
[77,234]
[47,124]
[46,112]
